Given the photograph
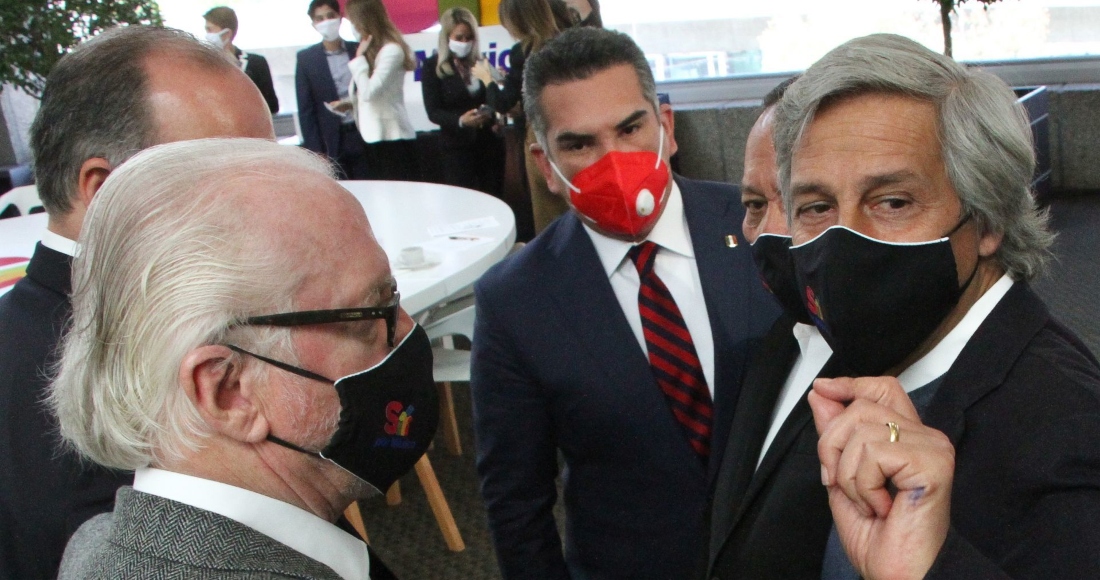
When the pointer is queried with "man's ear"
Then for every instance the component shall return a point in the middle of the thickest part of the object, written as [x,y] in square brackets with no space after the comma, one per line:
[93,172]
[211,377]
[668,121]
[543,163]
[989,243]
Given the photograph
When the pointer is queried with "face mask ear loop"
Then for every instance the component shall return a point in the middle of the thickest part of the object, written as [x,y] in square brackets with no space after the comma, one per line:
[660,143]
[959,225]
[554,166]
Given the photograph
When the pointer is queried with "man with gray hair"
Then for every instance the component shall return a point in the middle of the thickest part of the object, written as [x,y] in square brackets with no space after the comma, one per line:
[962,442]
[243,348]
[626,349]
[125,90]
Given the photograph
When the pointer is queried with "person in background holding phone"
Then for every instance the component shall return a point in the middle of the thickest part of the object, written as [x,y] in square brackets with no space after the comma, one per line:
[321,80]
[378,92]
[533,24]
[472,154]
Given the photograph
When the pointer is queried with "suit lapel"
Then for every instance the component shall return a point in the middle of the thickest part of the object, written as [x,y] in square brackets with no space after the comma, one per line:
[764,380]
[725,274]
[801,418]
[325,85]
[987,358]
[587,307]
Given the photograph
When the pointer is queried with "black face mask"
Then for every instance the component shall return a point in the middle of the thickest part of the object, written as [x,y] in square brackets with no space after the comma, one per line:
[388,413]
[772,254]
[875,302]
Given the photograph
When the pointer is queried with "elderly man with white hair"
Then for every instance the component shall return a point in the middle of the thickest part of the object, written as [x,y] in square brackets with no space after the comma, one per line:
[962,443]
[237,340]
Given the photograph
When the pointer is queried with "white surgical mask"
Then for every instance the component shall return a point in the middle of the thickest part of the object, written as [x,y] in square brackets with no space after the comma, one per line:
[355,34]
[460,49]
[329,29]
[218,39]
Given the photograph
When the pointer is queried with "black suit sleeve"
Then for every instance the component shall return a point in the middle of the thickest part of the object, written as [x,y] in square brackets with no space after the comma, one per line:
[432,88]
[260,74]
[1056,475]
[503,99]
[307,108]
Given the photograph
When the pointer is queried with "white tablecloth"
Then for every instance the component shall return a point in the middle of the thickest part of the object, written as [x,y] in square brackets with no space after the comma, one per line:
[462,233]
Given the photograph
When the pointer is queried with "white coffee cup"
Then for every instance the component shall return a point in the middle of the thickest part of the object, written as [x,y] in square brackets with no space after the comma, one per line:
[412,256]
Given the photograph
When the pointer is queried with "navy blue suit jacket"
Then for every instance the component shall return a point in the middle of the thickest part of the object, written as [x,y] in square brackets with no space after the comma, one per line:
[556,368]
[44,494]
[315,87]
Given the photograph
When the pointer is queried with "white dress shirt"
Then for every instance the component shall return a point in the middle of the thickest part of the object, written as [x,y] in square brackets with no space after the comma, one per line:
[59,243]
[815,352]
[938,360]
[298,529]
[675,266]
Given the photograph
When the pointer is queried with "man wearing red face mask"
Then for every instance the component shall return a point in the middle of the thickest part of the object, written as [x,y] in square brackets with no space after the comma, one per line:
[616,339]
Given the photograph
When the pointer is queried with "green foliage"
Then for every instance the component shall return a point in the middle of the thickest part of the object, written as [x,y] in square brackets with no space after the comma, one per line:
[35,34]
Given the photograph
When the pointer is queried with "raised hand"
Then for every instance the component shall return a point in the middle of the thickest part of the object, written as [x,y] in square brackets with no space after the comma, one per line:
[891,500]
[482,72]
[363,46]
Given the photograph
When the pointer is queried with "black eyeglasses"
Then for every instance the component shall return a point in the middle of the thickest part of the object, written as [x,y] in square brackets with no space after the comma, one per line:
[387,312]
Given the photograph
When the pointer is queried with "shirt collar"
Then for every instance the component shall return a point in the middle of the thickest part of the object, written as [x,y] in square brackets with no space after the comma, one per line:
[670,232]
[938,360]
[298,529]
[59,243]
[811,345]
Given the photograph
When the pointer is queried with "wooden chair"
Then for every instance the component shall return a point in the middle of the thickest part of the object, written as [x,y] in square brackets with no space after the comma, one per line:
[442,324]
[436,501]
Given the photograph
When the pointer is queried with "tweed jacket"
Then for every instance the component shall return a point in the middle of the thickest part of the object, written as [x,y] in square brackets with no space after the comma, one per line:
[152,537]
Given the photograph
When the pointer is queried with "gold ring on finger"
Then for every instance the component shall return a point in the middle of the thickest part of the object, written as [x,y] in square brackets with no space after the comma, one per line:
[894,431]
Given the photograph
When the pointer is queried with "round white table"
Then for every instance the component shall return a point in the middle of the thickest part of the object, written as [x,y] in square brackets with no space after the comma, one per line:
[462,233]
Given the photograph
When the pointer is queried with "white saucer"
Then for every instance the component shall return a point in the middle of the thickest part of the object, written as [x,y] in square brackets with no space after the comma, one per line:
[430,261]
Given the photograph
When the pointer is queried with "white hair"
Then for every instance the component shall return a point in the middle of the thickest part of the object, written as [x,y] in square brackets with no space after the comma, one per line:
[985,139]
[168,263]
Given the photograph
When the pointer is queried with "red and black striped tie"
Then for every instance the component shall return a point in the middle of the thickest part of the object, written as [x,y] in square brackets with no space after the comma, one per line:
[672,354]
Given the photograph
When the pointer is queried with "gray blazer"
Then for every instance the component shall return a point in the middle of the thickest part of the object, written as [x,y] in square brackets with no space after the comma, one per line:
[152,537]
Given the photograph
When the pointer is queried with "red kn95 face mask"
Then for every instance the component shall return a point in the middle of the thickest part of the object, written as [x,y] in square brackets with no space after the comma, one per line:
[623,192]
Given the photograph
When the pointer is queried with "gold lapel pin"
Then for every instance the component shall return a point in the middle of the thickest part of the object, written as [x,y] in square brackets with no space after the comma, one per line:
[731,241]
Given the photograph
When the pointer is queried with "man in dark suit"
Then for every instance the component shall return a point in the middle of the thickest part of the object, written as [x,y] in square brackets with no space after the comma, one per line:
[221,30]
[183,366]
[111,97]
[321,80]
[770,516]
[584,347]
[964,446]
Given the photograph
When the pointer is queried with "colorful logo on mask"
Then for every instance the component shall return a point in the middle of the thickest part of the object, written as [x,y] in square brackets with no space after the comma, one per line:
[399,420]
[12,270]
[812,305]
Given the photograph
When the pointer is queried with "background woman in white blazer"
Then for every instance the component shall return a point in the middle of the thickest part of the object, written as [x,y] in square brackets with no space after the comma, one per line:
[378,92]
